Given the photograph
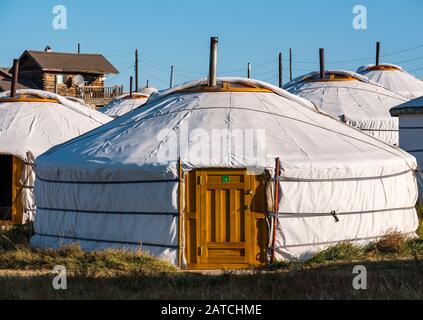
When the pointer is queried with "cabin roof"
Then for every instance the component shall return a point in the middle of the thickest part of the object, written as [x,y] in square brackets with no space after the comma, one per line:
[5,85]
[70,62]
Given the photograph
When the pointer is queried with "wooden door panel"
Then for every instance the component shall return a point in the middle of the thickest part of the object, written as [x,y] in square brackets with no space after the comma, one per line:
[222,206]
[221,229]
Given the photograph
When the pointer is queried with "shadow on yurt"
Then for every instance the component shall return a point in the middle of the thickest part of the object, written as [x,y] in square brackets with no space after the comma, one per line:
[31,122]
[223,173]
[393,77]
[352,99]
[127,102]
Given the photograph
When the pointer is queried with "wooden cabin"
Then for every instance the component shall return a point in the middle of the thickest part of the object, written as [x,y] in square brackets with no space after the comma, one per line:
[77,75]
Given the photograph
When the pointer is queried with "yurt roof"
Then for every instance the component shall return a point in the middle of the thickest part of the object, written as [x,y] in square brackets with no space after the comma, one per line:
[346,94]
[394,78]
[309,143]
[414,106]
[148,91]
[36,120]
[124,104]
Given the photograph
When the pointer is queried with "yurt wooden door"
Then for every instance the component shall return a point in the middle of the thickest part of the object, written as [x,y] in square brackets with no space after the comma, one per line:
[222,229]
[10,190]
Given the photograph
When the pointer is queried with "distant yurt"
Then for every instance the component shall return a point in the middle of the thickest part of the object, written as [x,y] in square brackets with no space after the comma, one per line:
[394,78]
[410,116]
[192,178]
[32,122]
[352,99]
[127,102]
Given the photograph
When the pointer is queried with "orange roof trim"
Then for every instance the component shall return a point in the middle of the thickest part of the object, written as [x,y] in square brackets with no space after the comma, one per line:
[330,77]
[27,98]
[226,87]
[383,68]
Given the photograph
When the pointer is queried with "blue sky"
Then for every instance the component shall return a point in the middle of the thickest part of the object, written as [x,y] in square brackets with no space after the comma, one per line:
[177,33]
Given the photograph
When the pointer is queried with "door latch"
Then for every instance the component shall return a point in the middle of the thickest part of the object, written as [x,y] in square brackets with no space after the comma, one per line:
[333,213]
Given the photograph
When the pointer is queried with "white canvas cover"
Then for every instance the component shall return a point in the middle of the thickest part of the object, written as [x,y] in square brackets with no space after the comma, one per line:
[396,80]
[117,186]
[410,116]
[359,102]
[124,103]
[27,129]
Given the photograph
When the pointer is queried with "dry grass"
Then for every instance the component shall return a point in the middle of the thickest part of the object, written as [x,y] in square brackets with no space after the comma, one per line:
[394,266]
[386,280]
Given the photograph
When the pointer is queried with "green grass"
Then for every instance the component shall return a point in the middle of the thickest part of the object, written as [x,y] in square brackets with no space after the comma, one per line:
[394,264]
[420,214]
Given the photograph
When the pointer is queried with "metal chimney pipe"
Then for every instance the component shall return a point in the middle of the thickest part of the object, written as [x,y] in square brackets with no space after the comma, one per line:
[377,53]
[15,77]
[290,64]
[249,70]
[136,70]
[172,76]
[130,86]
[213,62]
[280,78]
[322,63]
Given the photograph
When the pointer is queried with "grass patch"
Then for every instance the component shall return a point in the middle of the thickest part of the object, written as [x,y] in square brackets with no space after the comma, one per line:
[386,280]
[394,264]
[79,262]
[340,252]
[420,215]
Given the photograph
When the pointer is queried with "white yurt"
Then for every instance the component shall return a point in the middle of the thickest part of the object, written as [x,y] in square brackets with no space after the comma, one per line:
[225,175]
[410,116]
[352,99]
[394,78]
[30,123]
[127,102]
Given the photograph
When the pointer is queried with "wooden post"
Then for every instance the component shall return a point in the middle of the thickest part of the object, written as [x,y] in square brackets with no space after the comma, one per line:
[79,48]
[377,53]
[172,75]
[280,70]
[181,213]
[136,70]
[276,206]
[55,83]
[322,63]
[15,78]
[249,70]
[130,86]
[290,64]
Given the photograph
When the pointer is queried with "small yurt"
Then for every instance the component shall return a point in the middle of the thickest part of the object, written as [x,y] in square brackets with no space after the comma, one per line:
[223,173]
[394,78]
[127,102]
[410,116]
[32,122]
[352,99]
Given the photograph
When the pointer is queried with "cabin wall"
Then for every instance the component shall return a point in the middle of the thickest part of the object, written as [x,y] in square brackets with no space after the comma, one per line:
[68,88]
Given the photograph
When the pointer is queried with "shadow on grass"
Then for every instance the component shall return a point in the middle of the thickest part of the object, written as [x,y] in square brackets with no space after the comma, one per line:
[385,279]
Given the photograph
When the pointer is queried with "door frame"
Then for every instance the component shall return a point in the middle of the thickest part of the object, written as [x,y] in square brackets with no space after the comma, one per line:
[17,188]
[255,218]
